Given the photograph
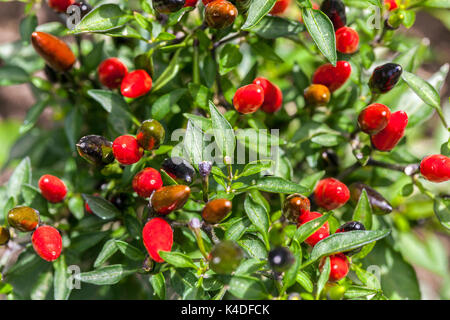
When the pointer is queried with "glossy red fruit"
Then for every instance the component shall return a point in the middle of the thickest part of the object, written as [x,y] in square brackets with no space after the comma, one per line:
[331,194]
[52,188]
[136,84]
[387,139]
[191,3]
[205,2]
[320,234]
[391,4]
[347,40]
[280,6]
[332,77]
[249,98]
[47,242]
[147,181]
[339,266]
[435,168]
[158,236]
[374,118]
[273,97]
[54,51]
[60,5]
[126,150]
[111,72]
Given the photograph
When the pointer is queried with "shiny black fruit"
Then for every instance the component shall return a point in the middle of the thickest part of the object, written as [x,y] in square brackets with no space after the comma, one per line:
[335,10]
[385,77]
[281,259]
[179,169]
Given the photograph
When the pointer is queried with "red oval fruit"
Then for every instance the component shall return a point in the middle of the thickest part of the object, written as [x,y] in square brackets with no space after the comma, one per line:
[374,118]
[158,236]
[435,168]
[249,98]
[320,234]
[136,84]
[191,3]
[54,51]
[47,242]
[111,72]
[339,266]
[347,40]
[52,188]
[387,139]
[280,6]
[147,181]
[332,77]
[126,150]
[331,194]
[60,5]
[273,97]
[391,4]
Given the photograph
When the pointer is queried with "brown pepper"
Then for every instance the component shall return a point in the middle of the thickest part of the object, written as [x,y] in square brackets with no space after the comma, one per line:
[294,205]
[23,218]
[170,198]
[54,51]
[215,210]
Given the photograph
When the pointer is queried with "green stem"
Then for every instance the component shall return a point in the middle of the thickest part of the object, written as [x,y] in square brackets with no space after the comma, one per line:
[441,116]
[200,243]
[195,64]
[415,180]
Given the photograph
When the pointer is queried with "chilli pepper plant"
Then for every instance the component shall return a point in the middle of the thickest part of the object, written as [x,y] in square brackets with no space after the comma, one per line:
[252,149]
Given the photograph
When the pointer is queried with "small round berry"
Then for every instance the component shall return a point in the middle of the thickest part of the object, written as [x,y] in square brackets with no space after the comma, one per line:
[320,234]
[317,95]
[60,5]
[52,188]
[179,169]
[147,181]
[331,194]
[220,14]
[379,204]
[4,235]
[295,205]
[191,3]
[23,218]
[167,6]
[126,150]
[95,149]
[47,242]
[435,168]
[249,98]
[157,236]
[335,10]
[111,72]
[136,84]
[385,77]
[150,134]
[387,139]
[391,4]
[347,40]
[273,97]
[374,118]
[170,198]
[332,77]
[280,7]
[54,51]
[225,257]
[281,259]
[339,267]
[216,210]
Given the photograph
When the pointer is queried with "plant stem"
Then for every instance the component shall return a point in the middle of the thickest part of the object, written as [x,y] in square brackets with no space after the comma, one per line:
[195,63]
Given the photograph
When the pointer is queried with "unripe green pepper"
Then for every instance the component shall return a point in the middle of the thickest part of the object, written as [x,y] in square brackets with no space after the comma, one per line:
[225,257]
[23,218]
[151,134]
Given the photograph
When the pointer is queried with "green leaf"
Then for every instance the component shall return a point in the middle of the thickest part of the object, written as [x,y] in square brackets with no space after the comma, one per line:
[125,32]
[87,240]
[61,289]
[33,198]
[229,58]
[33,115]
[177,259]
[272,27]
[223,132]
[158,283]
[264,50]
[237,229]
[41,288]
[102,18]
[20,176]
[258,216]
[278,185]
[143,21]
[357,292]
[100,207]
[290,276]
[201,95]
[341,242]
[248,288]
[308,228]
[27,27]
[76,206]
[169,73]
[130,251]
[257,10]
[323,279]
[94,58]
[442,211]
[72,126]
[194,142]
[444,4]
[11,75]
[175,17]
[108,250]
[311,180]
[255,167]
[321,30]
[249,266]
[162,106]
[305,281]
[423,89]
[106,275]
[254,247]
[363,211]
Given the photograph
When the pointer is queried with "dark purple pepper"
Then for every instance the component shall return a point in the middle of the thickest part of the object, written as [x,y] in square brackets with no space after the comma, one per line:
[281,259]
[179,169]
[385,77]
[380,205]
[335,10]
